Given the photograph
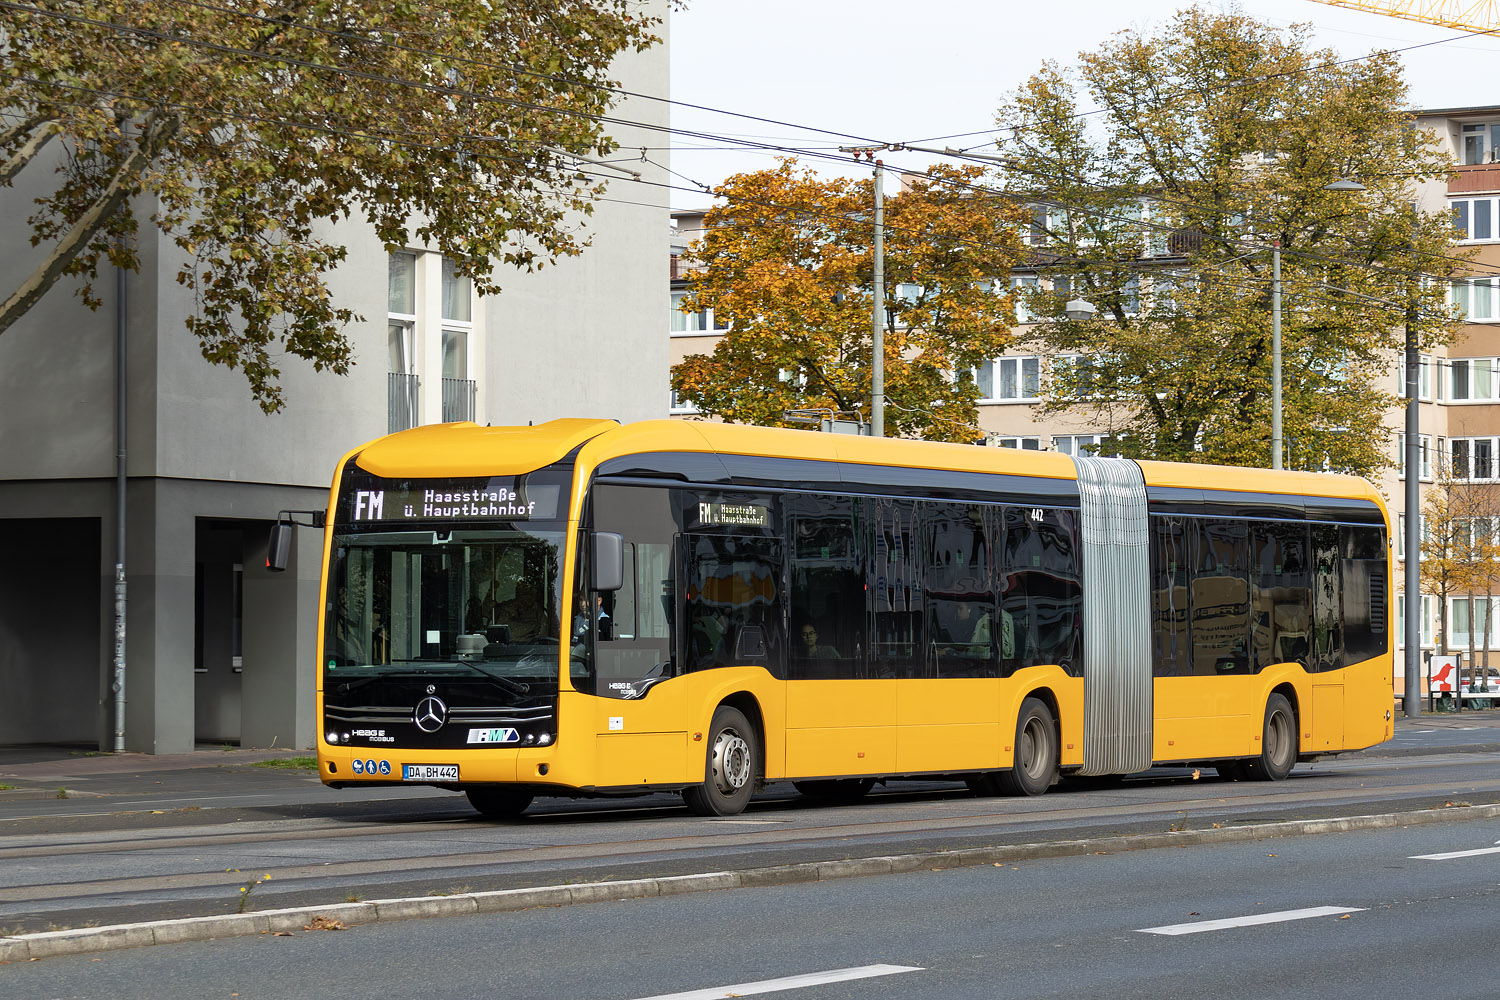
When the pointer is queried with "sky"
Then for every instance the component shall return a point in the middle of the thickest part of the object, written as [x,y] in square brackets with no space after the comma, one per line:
[919,70]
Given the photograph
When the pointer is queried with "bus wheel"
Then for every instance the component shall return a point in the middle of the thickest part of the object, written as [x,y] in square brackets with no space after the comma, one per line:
[835,789]
[499,801]
[729,769]
[1036,757]
[1278,742]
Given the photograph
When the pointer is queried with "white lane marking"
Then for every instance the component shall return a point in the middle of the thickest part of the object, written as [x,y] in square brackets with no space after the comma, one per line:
[1455,854]
[1248,921]
[790,982]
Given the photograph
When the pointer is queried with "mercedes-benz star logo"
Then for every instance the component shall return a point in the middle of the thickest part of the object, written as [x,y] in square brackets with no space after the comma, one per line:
[430,714]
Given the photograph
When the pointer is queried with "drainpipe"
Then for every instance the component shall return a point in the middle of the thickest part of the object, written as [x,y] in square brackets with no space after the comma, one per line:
[118,684]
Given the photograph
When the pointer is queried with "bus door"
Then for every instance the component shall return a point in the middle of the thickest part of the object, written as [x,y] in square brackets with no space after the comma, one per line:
[640,716]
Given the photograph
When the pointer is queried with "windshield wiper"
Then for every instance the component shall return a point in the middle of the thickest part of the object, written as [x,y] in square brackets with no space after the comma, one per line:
[502,682]
[505,683]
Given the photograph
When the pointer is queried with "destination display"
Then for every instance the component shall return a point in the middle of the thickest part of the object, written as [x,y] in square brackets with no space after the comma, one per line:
[501,497]
[734,513]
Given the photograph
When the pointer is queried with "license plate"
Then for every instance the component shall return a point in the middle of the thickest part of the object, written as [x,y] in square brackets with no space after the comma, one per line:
[429,772]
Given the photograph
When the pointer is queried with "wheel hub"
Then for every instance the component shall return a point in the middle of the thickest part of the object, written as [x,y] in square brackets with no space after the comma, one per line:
[731,762]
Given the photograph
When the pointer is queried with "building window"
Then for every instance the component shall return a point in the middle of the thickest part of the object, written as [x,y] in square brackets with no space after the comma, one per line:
[1477,299]
[700,321]
[457,316]
[1021,443]
[401,325]
[1474,458]
[430,315]
[1473,380]
[1078,444]
[1481,143]
[679,405]
[1424,377]
[1081,370]
[1009,380]
[1426,619]
[1474,218]
[1022,289]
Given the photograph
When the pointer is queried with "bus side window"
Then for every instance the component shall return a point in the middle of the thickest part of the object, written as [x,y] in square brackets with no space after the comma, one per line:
[1362,567]
[828,589]
[1041,603]
[734,606]
[961,609]
[1280,594]
[1172,543]
[1221,598]
[893,572]
[630,628]
[1328,594]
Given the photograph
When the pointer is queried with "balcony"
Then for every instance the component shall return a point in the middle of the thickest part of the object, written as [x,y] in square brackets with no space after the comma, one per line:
[401,401]
[1475,177]
[458,399]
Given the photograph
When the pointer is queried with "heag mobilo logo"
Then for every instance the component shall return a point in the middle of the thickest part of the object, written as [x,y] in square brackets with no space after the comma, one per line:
[494,736]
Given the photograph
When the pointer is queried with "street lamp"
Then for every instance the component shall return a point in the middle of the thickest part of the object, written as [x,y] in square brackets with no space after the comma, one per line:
[1079,310]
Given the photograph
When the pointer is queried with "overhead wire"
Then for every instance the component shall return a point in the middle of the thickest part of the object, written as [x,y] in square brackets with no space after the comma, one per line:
[699,187]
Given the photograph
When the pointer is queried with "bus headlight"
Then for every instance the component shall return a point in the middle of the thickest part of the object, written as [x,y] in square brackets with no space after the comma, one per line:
[544,739]
[333,737]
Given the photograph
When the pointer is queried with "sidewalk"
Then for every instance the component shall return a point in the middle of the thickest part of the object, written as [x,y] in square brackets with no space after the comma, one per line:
[211,785]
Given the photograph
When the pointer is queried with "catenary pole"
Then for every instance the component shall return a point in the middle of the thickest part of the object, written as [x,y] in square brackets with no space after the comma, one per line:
[1276,354]
[117,683]
[877,319]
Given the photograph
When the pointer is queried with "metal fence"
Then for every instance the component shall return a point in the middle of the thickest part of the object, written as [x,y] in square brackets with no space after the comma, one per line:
[401,401]
[458,399]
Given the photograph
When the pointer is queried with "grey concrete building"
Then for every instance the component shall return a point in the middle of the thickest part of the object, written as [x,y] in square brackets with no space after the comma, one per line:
[219,650]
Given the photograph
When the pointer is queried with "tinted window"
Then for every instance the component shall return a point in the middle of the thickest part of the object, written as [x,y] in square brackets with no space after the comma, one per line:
[1220,598]
[1328,606]
[1041,594]
[1280,594]
[1362,566]
[733,601]
[628,632]
[960,591]
[1173,542]
[894,574]
[828,588]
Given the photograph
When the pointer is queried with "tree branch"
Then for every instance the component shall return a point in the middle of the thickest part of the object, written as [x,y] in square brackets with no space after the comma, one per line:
[38,131]
[157,131]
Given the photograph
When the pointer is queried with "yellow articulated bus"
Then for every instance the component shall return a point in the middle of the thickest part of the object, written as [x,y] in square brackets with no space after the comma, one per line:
[582,608]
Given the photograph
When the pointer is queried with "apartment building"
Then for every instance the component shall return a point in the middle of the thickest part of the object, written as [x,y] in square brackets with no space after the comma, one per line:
[217,649]
[1459,385]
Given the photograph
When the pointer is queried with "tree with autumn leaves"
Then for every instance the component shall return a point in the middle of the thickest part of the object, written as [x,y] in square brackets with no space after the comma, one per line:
[787,259]
[1212,139]
[244,133]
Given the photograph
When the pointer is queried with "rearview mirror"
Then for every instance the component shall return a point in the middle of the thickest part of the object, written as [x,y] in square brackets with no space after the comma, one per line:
[608,560]
[279,549]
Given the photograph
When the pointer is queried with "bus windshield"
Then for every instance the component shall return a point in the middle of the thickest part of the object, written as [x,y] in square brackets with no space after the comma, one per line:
[478,601]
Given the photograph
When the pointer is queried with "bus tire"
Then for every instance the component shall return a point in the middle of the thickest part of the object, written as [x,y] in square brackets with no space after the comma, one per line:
[729,766]
[1278,742]
[499,801]
[835,789]
[1035,765]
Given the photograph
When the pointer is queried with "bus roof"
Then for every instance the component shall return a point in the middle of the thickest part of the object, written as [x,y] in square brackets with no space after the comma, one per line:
[466,449]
